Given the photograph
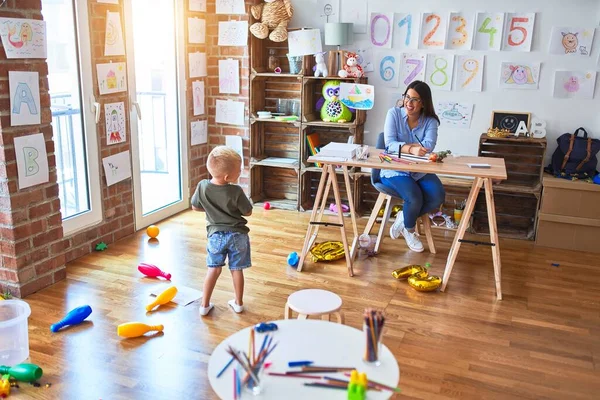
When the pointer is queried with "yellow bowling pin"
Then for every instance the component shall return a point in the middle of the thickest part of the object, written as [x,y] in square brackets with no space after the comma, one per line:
[163,298]
[135,329]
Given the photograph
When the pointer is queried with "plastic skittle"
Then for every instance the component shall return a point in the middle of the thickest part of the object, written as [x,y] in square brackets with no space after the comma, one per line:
[163,298]
[74,317]
[4,386]
[153,271]
[135,329]
[357,388]
[23,372]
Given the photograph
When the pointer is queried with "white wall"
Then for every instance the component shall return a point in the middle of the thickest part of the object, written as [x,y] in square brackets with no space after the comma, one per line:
[561,115]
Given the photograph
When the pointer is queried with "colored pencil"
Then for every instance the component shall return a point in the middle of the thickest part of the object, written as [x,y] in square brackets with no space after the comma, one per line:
[294,375]
[225,367]
[380,385]
[235,380]
[293,364]
[371,385]
[325,385]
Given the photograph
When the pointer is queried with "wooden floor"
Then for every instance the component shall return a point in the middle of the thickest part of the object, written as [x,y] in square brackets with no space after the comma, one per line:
[541,342]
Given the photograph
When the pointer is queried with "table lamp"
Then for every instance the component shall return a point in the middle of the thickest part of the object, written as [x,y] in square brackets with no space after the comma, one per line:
[337,34]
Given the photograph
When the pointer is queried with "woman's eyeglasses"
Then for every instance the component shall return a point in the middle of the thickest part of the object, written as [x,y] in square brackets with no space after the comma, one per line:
[408,99]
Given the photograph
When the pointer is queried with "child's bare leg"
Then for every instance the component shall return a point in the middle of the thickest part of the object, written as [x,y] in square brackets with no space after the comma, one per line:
[209,284]
[238,286]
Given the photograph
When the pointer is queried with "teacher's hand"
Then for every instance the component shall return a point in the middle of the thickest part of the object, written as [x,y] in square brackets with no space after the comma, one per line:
[417,150]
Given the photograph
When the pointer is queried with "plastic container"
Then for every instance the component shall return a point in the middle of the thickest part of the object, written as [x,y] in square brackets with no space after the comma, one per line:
[14,335]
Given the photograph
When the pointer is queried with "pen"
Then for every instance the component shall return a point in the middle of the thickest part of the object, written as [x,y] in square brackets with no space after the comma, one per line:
[421,143]
[299,363]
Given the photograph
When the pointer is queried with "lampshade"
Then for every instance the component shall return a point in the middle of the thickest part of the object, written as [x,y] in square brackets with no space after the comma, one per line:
[338,33]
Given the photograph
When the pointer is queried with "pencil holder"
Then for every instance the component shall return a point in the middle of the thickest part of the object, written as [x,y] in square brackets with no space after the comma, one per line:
[372,344]
[295,64]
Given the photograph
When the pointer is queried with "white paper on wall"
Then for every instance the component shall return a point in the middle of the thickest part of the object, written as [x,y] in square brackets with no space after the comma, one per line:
[515,75]
[406,31]
[32,160]
[387,67]
[111,77]
[235,142]
[439,71]
[304,42]
[197,63]
[460,31]
[196,30]
[574,84]
[356,12]
[468,73]
[117,168]
[381,29]
[518,33]
[329,10]
[233,33]
[454,114]
[24,88]
[198,97]
[572,41]
[412,68]
[230,7]
[433,31]
[114,115]
[197,5]
[229,76]
[199,132]
[230,112]
[488,31]
[23,38]
[364,56]
[114,45]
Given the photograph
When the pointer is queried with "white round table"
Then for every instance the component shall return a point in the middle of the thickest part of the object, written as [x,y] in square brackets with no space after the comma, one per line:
[325,343]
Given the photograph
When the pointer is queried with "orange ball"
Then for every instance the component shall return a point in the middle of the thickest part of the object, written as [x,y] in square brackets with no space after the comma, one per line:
[152,231]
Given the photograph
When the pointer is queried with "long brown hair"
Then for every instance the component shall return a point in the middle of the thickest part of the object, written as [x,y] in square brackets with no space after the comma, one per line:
[426,99]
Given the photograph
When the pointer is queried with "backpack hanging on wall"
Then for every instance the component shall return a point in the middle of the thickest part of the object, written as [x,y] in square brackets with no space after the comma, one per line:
[575,156]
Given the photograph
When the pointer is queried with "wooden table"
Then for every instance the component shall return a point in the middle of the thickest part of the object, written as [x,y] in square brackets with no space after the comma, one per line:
[451,166]
[325,343]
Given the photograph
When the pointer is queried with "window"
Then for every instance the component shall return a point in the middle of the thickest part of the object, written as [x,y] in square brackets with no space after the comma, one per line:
[73,121]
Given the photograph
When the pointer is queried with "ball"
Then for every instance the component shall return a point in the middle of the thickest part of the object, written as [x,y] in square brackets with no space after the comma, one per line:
[152,231]
[267,206]
[293,259]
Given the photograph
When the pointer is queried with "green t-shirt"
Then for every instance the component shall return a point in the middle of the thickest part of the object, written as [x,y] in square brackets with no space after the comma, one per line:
[224,206]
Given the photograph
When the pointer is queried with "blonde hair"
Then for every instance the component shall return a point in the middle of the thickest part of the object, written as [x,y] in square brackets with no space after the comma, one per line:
[223,160]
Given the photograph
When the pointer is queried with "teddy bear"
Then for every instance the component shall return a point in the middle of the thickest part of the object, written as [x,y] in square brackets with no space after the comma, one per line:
[321,67]
[351,69]
[273,15]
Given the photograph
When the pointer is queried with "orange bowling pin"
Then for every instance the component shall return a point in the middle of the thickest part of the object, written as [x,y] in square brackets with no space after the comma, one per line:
[135,329]
[163,298]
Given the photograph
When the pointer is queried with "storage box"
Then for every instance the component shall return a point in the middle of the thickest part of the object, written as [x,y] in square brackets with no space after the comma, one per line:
[570,198]
[569,233]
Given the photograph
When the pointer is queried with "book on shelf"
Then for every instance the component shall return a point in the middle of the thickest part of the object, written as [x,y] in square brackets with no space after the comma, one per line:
[314,144]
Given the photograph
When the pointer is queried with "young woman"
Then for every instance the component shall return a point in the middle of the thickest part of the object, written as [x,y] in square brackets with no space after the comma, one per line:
[413,129]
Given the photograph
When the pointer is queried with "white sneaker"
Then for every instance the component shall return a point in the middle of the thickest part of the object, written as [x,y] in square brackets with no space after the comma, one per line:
[412,240]
[398,226]
[205,310]
[237,308]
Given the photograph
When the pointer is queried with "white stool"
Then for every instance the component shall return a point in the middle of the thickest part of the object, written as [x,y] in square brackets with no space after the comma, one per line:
[314,303]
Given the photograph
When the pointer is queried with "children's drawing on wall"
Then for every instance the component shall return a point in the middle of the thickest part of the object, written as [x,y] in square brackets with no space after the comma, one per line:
[468,74]
[197,63]
[460,32]
[197,5]
[406,31]
[439,71]
[113,38]
[433,31]
[24,88]
[233,33]
[381,29]
[454,114]
[117,167]
[519,32]
[387,66]
[108,1]
[196,30]
[230,112]
[304,42]
[357,96]
[356,12]
[32,160]
[199,132]
[229,76]
[364,56]
[198,97]
[230,7]
[111,77]
[23,38]
[570,40]
[519,75]
[574,84]
[329,10]
[114,115]
[488,31]
[412,68]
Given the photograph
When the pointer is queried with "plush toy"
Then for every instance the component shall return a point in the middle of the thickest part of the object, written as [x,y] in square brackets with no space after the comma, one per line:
[333,109]
[274,16]
[351,69]
[321,68]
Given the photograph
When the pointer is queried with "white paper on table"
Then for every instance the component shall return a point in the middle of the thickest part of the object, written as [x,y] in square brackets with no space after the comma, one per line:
[197,63]
[233,33]
[196,30]
[112,77]
[524,75]
[199,132]
[406,31]
[433,31]
[439,71]
[230,112]
[304,42]
[109,1]
[460,31]
[381,29]
[518,34]
[235,142]
[114,45]
[574,84]
[197,5]
[24,89]
[230,7]
[488,31]
[454,114]
[198,97]
[185,295]
[468,73]
[329,10]
[23,38]
[114,115]
[387,66]
[229,76]
[117,167]
[412,68]
[572,41]
[32,160]
[356,12]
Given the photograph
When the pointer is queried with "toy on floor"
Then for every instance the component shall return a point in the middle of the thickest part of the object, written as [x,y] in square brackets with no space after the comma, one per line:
[321,67]
[22,372]
[4,386]
[153,271]
[327,251]
[333,110]
[333,208]
[293,259]
[418,277]
[163,298]
[406,272]
[267,206]
[152,231]
[135,329]
[101,246]
[74,317]
[351,69]
[357,387]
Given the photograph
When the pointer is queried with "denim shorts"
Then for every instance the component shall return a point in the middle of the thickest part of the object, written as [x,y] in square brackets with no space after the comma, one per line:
[235,246]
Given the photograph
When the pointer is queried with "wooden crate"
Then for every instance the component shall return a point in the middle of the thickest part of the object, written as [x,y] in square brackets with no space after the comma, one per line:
[260,49]
[365,195]
[266,91]
[309,184]
[274,140]
[278,186]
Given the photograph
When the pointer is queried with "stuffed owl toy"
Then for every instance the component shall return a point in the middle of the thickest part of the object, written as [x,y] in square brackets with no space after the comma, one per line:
[333,110]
